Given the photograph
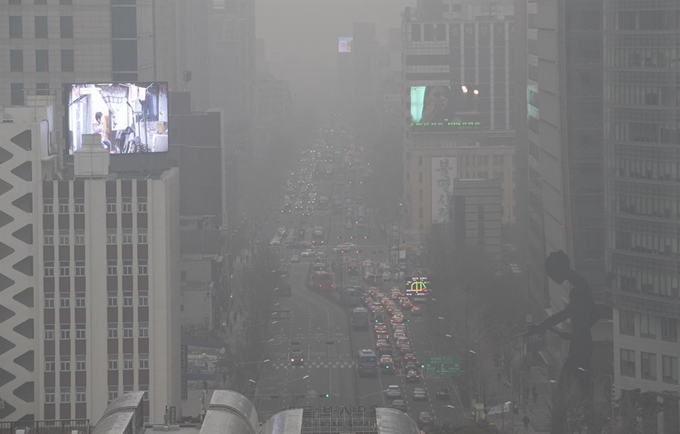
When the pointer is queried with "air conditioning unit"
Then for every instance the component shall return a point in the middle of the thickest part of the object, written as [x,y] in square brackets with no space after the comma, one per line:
[20,431]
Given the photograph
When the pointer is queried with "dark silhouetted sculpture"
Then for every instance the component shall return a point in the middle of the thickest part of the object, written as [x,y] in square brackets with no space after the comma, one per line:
[575,386]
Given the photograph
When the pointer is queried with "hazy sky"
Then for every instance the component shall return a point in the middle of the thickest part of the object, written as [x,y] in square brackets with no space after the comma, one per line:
[301,35]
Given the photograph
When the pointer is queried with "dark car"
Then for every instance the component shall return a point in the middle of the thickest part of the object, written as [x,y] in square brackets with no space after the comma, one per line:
[297,357]
[412,376]
[425,418]
[443,394]
[399,405]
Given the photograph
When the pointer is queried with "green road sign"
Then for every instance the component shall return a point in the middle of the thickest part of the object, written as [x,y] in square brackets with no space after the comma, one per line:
[442,365]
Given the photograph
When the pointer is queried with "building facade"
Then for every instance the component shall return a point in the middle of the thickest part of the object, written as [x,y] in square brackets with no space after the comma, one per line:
[642,138]
[98,245]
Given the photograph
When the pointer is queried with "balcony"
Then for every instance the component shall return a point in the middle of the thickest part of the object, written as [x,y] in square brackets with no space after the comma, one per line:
[668,307]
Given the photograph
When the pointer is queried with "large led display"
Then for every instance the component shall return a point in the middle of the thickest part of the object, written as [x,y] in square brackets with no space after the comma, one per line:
[131,118]
[417,286]
[446,108]
[345,44]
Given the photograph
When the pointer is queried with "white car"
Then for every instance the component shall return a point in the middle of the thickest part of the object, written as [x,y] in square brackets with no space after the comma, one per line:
[393,392]
[275,241]
[387,276]
[294,259]
[307,253]
[419,394]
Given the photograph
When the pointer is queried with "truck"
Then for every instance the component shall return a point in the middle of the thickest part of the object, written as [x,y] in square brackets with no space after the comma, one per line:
[318,236]
[360,318]
[318,280]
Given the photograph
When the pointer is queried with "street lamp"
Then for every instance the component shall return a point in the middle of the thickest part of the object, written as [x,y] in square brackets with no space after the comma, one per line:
[450,406]
[503,416]
[448,336]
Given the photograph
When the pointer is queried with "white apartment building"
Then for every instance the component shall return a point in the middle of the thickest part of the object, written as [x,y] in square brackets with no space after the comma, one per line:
[92,298]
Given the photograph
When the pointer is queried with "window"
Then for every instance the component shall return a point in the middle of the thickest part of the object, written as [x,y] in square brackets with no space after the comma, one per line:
[111,205]
[49,395]
[124,53]
[65,332]
[40,2]
[143,298]
[64,300]
[127,330]
[48,205]
[41,27]
[81,363]
[128,362]
[113,330]
[143,361]
[65,395]
[113,393]
[669,329]
[15,27]
[48,269]
[67,61]
[113,362]
[647,323]
[80,299]
[415,32]
[80,394]
[42,61]
[48,237]
[420,195]
[79,206]
[626,322]
[64,238]
[16,60]
[141,204]
[66,27]
[112,268]
[127,236]
[127,204]
[80,268]
[648,365]
[63,206]
[65,363]
[80,331]
[143,329]
[49,363]
[80,237]
[141,236]
[49,332]
[144,388]
[420,177]
[669,369]
[420,212]
[14,2]
[128,388]
[420,160]
[628,363]
[64,269]
[16,94]
[113,299]
[143,268]
[127,298]
[42,88]
[49,300]
[65,2]
[111,236]
[127,268]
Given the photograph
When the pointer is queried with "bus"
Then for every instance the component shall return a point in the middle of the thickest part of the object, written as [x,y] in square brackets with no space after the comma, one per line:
[360,318]
[320,280]
[367,362]
[372,274]
[318,236]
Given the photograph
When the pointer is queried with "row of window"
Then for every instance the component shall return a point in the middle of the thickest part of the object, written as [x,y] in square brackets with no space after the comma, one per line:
[113,393]
[643,58]
[643,95]
[65,299]
[643,168]
[65,331]
[481,160]
[142,268]
[40,2]
[16,27]
[65,363]
[128,362]
[648,20]
[79,205]
[79,237]
[438,32]
[646,282]
[111,268]
[65,395]
[644,243]
[649,325]
[648,366]
[42,61]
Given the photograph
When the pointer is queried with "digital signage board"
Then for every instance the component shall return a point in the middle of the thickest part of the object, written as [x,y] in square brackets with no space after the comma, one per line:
[345,44]
[417,287]
[446,108]
[131,118]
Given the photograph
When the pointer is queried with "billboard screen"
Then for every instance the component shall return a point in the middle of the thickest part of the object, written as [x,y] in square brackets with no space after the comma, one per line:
[446,108]
[131,118]
[345,44]
[417,286]
[444,171]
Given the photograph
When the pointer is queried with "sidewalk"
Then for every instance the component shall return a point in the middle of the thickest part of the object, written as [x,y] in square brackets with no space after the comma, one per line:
[539,412]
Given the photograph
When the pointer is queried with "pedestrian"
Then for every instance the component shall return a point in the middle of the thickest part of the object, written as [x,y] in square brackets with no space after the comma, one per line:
[534,392]
[526,394]
[526,421]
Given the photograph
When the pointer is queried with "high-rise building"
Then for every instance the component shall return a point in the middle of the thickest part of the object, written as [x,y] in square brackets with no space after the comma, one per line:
[642,154]
[564,117]
[90,306]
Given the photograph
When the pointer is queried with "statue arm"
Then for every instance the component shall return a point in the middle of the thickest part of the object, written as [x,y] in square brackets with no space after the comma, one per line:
[564,335]
[549,322]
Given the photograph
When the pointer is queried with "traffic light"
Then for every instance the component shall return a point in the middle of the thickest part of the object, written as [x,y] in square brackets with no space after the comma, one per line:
[422,366]
[324,395]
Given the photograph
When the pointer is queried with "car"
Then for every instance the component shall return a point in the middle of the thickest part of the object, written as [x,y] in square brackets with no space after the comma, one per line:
[386,359]
[297,357]
[393,392]
[410,357]
[416,311]
[380,327]
[405,304]
[399,405]
[307,253]
[382,336]
[419,394]
[412,376]
[425,418]
[387,276]
[405,349]
[294,259]
[443,394]
[275,241]
[348,225]
[281,230]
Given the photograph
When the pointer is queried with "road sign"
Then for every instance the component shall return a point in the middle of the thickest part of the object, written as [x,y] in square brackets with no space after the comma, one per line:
[442,365]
